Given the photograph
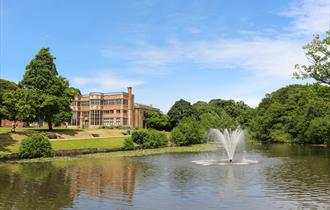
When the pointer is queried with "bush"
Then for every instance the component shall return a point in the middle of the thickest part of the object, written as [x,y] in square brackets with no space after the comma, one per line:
[189,131]
[35,146]
[318,131]
[149,138]
[178,137]
[128,144]
[139,136]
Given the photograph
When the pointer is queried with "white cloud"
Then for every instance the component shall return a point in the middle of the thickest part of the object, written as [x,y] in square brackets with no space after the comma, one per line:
[309,16]
[103,82]
[268,55]
[261,55]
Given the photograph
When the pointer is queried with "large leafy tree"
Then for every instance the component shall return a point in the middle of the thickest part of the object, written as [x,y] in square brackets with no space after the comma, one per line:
[5,86]
[55,94]
[294,114]
[179,110]
[318,54]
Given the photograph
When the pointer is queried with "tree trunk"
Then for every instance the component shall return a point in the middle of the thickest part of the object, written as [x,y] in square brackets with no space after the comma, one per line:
[50,126]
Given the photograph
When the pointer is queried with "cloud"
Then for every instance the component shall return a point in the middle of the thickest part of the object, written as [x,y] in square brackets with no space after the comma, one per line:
[261,55]
[103,82]
[265,53]
[268,56]
[308,16]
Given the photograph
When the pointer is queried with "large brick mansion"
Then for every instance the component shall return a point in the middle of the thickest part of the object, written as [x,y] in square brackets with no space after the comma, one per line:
[108,109]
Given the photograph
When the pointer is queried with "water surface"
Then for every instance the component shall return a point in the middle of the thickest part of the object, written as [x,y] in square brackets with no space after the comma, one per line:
[285,177]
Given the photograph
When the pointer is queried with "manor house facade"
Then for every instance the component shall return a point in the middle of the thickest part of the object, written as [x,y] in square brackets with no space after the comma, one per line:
[108,109]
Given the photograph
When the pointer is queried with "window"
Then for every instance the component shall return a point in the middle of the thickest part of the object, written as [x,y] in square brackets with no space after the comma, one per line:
[117,121]
[124,121]
[111,121]
[75,103]
[75,119]
[125,111]
[96,117]
[106,121]
[118,111]
[107,111]
[115,102]
[84,103]
[95,102]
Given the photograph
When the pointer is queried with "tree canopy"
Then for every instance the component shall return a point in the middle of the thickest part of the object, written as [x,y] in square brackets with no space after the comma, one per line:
[6,86]
[295,114]
[318,54]
[179,110]
[42,95]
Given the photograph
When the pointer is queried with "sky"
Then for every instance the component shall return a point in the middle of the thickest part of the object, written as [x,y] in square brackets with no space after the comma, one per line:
[165,49]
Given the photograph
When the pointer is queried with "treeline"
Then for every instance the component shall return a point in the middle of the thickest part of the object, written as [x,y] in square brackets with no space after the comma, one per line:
[42,94]
[189,123]
[293,114]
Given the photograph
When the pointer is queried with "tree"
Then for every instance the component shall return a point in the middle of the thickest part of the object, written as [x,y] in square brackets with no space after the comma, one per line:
[179,110]
[294,114]
[156,120]
[5,87]
[188,131]
[55,94]
[318,54]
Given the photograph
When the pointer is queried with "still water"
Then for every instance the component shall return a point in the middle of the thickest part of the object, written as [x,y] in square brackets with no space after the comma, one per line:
[285,177]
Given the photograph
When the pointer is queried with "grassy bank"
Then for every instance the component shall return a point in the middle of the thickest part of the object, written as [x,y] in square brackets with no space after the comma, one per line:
[193,148]
[100,143]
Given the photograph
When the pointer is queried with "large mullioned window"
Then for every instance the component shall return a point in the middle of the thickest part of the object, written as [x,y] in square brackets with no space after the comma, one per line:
[96,117]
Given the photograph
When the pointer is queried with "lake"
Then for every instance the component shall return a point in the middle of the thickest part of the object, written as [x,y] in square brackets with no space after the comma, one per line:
[285,177]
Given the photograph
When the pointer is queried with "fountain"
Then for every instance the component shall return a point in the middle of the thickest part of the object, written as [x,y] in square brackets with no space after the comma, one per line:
[229,139]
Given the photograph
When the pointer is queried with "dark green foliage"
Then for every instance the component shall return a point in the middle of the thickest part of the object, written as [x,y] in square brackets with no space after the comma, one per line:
[5,86]
[35,146]
[179,110]
[54,93]
[149,138]
[293,114]
[139,136]
[318,131]
[189,131]
[156,120]
[238,111]
[128,144]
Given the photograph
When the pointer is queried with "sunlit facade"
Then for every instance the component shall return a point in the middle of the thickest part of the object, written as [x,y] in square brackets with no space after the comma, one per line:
[108,109]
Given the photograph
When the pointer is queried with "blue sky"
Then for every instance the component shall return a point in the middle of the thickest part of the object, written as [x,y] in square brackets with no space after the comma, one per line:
[167,50]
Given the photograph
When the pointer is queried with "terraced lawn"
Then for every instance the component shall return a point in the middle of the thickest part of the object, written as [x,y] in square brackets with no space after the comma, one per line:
[100,143]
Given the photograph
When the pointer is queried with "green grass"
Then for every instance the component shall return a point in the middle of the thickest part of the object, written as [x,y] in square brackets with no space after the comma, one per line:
[34,129]
[132,153]
[100,143]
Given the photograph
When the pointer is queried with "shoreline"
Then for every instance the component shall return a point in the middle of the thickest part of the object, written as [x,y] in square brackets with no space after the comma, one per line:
[118,153]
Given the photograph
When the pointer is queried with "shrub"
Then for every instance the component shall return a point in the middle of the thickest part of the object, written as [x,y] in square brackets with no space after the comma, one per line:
[149,138]
[318,131]
[139,136]
[128,144]
[35,146]
[154,139]
[178,137]
[189,131]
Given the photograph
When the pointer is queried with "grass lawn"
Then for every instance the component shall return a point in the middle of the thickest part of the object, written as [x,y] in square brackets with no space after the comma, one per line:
[101,143]
[131,153]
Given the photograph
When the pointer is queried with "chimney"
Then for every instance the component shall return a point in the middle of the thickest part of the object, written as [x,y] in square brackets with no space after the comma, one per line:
[131,112]
[129,90]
